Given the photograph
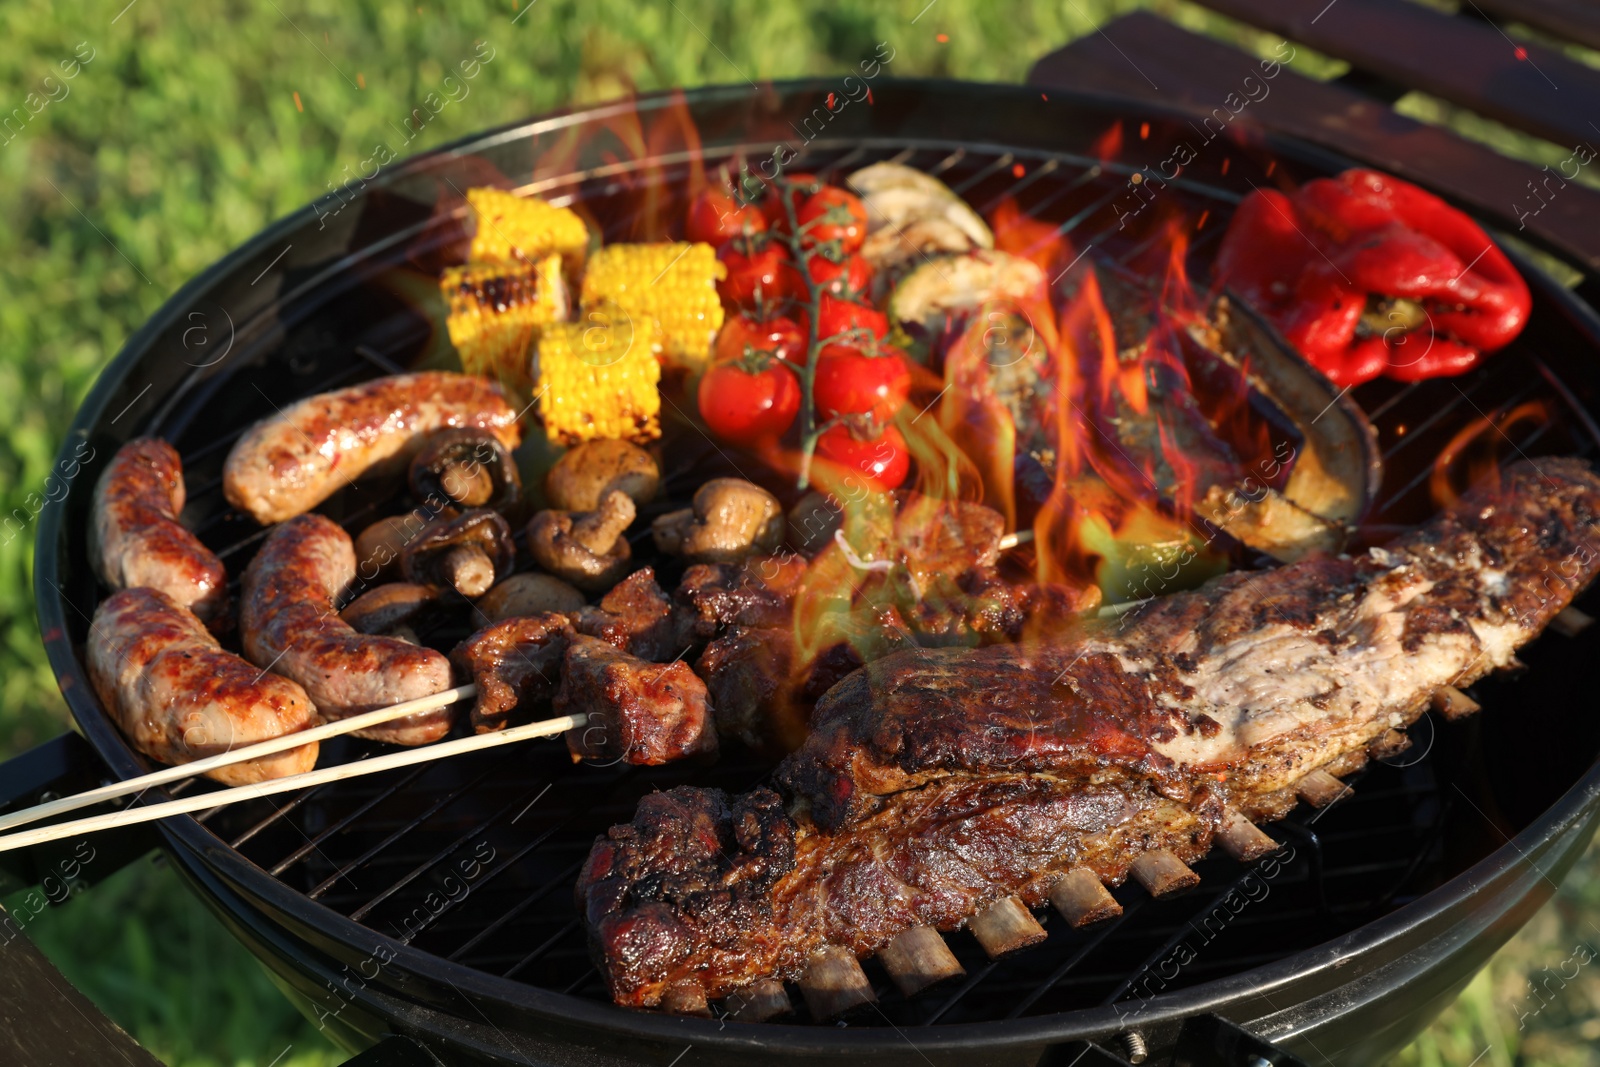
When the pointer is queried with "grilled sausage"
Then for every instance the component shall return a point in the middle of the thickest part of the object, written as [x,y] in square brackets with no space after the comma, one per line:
[179,697]
[288,464]
[137,539]
[289,623]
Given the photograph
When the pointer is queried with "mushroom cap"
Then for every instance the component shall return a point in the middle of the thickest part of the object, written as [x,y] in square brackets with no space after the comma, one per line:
[464,467]
[527,594]
[423,559]
[587,548]
[390,606]
[731,519]
[585,475]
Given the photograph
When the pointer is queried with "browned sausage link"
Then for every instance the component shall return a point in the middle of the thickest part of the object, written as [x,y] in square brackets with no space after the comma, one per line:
[289,624]
[288,464]
[137,539]
[179,697]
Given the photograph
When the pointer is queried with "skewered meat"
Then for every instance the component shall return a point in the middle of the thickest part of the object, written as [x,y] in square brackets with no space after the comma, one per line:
[179,697]
[637,617]
[757,592]
[290,624]
[639,712]
[515,664]
[137,539]
[939,781]
[290,463]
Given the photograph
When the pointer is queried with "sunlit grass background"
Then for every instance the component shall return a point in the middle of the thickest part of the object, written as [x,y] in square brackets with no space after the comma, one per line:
[194,125]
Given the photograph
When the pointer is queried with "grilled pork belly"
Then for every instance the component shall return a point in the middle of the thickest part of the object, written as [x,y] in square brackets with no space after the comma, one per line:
[939,781]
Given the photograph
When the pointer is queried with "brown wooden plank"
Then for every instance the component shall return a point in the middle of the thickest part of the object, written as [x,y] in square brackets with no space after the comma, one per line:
[1574,20]
[1465,61]
[1137,50]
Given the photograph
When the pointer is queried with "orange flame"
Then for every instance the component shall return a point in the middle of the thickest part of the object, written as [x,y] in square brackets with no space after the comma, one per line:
[1471,456]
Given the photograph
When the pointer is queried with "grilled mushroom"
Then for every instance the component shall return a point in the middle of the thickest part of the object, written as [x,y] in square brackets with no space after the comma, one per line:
[391,608]
[582,478]
[467,468]
[731,519]
[466,552]
[586,548]
[524,595]
[380,546]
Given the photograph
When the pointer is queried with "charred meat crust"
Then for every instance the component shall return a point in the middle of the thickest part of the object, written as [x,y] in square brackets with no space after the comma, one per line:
[1245,686]
[639,712]
[137,539]
[515,665]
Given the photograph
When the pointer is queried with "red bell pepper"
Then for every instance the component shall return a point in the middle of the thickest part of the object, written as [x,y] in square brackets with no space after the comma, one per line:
[1328,264]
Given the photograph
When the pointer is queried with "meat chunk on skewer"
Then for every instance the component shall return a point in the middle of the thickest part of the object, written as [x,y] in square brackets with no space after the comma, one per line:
[516,665]
[136,539]
[639,712]
[758,591]
[940,781]
[636,616]
[179,697]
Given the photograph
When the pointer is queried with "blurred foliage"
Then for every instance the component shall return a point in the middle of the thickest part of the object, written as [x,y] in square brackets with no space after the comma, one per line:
[189,127]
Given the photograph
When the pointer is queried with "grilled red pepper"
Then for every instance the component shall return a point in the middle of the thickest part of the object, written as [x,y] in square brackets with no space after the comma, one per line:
[1368,275]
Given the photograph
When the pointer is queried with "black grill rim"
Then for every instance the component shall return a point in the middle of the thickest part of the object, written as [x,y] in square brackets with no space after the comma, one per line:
[1518,875]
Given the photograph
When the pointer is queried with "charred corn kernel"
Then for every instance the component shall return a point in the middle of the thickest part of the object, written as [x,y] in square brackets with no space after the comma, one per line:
[512,227]
[598,378]
[497,309]
[674,283]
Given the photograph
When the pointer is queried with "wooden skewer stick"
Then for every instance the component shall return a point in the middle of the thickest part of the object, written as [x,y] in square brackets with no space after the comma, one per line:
[322,776]
[1452,703]
[1162,872]
[1012,540]
[1319,788]
[918,958]
[1570,622]
[1243,839]
[834,983]
[1082,898]
[332,728]
[1005,927]
[758,1002]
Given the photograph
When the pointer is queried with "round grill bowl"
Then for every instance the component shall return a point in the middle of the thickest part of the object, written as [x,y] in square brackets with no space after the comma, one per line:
[438,902]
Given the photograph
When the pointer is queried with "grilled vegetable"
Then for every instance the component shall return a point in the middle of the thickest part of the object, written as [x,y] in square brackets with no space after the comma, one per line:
[909,212]
[931,296]
[597,379]
[497,309]
[674,283]
[513,228]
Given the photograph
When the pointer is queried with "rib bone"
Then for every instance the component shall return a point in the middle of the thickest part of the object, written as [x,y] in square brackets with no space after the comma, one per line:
[834,983]
[1162,872]
[918,958]
[1243,839]
[1005,927]
[1452,703]
[761,1000]
[1319,788]
[1570,622]
[1081,898]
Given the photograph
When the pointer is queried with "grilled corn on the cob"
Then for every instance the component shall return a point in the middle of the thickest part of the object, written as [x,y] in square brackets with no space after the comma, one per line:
[497,309]
[598,378]
[674,283]
[512,227]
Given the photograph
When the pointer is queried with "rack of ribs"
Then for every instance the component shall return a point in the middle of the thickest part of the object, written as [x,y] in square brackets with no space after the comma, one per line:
[943,788]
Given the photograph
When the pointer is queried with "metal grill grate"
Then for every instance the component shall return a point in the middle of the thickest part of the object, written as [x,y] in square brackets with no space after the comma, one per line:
[474,860]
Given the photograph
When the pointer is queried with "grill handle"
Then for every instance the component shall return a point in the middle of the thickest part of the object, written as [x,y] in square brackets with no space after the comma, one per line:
[64,765]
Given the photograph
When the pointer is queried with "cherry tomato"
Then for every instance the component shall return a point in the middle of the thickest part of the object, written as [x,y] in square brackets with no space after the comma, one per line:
[840,316]
[847,280]
[714,216]
[800,186]
[757,268]
[849,382]
[749,402]
[882,462]
[782,337]
[834,214]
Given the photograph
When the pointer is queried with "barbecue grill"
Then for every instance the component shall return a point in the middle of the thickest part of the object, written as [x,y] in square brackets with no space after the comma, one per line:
[433,906]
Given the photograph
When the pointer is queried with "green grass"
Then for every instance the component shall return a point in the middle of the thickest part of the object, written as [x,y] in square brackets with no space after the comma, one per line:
[194,125]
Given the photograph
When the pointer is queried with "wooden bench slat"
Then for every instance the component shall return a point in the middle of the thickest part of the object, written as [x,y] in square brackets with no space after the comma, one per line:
[1574,20]
[1465,61]
[1140,48]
